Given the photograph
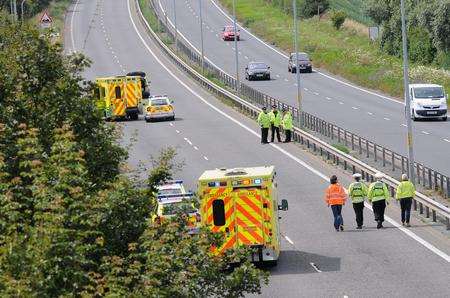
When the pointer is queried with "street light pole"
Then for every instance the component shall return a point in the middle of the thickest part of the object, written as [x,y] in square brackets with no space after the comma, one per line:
[21,9]
[407,95]
[175,23]
[236,47]
[201,36]
[297,67]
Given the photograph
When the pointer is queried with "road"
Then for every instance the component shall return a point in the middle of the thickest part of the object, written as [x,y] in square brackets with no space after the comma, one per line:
[316,261]
[366,113]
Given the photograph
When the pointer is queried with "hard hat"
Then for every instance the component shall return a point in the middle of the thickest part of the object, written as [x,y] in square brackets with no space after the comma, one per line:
[357,175]
[264,108]
[379,175]
[404,177]
[284,109]
[333,179]
[274,106]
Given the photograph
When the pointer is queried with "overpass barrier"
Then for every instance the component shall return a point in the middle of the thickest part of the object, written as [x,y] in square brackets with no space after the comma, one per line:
[250,102]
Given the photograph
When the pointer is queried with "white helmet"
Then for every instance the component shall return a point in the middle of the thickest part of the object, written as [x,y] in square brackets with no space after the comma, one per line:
[357,175]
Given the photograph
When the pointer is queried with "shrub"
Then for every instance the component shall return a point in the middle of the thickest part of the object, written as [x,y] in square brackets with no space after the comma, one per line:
[308,8]
[338,18]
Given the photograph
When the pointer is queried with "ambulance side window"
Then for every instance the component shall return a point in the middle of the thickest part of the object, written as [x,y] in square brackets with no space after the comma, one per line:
[102,92]
[218,212]
[118,92]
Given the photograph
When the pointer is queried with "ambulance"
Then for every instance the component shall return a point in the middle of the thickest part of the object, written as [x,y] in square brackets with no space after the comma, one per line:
[242,204]
[121,97]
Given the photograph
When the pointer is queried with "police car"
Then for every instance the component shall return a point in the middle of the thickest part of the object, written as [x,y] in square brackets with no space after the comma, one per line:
[175,187]
[159,107]
[171,205]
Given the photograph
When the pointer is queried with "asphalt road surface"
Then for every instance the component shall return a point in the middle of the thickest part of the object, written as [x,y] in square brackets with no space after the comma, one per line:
[366,113]
[315,261]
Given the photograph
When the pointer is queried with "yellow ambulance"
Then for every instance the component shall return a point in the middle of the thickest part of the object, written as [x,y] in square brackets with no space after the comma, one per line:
[242,204]
[120,97]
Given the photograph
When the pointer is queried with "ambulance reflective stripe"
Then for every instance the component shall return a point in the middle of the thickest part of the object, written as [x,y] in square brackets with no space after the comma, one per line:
[249,216]
[118,106]
[131,96]
[211,195]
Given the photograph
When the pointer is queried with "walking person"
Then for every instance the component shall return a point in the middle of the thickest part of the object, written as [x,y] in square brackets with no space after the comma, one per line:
[378,195]
[405,193]
[335,198]
[264,122]
[357,192]
[287,125]
[275,122]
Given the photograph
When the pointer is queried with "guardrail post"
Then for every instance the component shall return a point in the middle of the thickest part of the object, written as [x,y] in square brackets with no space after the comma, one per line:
[360,146]
[433,215]
[427,212]
[418,174]
[420,208]
[448,223]
[375,152]
[345,165]
[414,205]
[403,165]
[393,162]
[448,187]
[384,157]
[353,142]
[332,131]
[345,138]
[353,169]
[367,149]
[424,180]
[430,181]
[339,134]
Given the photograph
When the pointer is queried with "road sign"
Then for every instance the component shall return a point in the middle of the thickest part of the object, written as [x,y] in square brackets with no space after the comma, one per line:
[46,21]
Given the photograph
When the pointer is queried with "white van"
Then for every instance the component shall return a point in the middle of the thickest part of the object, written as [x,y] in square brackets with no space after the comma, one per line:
[428,101]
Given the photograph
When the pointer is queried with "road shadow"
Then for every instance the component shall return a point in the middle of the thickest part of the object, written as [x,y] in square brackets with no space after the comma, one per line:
[299,262]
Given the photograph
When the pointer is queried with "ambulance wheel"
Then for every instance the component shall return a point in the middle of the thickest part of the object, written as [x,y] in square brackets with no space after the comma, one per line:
[273,263]
[134,116]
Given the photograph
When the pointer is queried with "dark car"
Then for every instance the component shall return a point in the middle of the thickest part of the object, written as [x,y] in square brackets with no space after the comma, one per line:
[304,63]
[257,70]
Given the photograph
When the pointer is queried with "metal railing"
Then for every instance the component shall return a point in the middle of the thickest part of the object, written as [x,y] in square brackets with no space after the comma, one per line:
[250,101]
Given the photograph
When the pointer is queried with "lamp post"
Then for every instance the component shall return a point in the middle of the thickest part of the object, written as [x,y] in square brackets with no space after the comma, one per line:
[236,47]
[201,36]
[21,9]
[407,95]
[297,68]
[175,24]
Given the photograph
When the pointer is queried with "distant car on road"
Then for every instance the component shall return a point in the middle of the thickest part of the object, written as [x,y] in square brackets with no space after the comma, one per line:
[304,63]
[228,33]
[428,101]
[159,107]
[257,70]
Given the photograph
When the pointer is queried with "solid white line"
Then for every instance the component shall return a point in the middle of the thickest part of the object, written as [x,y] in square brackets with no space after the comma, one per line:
[71,26]
[280,149]
[289,240]
[285,56]
[315,267]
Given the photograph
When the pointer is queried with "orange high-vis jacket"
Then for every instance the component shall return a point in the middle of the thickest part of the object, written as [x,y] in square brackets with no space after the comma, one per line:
[335,195]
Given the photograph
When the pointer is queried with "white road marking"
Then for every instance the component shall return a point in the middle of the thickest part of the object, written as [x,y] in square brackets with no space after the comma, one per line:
[195,147]
[286,80]
[328,98]
[171,124]
[425,132]
[324,177]
[306,89]
[177,131]
[246,57]
[206,158]
[370,113]
[387,119]
[315,267]
[289,240]
[355,108]
[316,93]
[404,125]
[71,26]
[446,140]
[341,103]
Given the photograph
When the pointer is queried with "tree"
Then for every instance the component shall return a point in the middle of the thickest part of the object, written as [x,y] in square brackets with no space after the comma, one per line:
[310,8]
[338,18]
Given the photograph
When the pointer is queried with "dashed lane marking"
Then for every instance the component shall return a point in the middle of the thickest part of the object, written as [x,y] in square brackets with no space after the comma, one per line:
[206,158]
[328,98]
[289,240]
[370,113]
[195,147]
[315,267]
[341,103]
[355,108]
[425,132]
[316,93]
[387,119]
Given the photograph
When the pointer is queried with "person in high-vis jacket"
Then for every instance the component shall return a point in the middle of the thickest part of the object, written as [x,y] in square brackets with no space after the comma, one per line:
[275,123]
[405,193]
[335,198]
[378,195]
[264,122]
[357,192]
[287,125]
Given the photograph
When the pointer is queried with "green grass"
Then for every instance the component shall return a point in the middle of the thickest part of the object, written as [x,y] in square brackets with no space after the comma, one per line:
[345,52]
[341,148]
[353,8]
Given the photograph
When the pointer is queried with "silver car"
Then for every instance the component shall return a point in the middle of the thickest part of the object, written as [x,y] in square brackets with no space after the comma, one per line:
[159,108]
[257,71]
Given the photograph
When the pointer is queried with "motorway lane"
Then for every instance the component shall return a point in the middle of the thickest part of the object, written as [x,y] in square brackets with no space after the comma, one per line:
[344,259]
[379,119]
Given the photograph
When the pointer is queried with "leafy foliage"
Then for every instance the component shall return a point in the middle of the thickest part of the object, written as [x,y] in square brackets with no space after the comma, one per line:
[338,18]
[71,224]
[309,8]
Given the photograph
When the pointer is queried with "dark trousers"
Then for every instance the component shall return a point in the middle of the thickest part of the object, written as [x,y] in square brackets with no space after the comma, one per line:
[405,205]
[264,134]
[359,207]
[378,210]
[288,134]
[338,220]
[275,130]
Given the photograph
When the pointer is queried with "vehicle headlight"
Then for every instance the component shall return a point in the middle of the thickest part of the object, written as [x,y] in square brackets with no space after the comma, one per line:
[419,105]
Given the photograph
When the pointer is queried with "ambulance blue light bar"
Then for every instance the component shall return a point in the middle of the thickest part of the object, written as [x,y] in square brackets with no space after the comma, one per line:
[217,183]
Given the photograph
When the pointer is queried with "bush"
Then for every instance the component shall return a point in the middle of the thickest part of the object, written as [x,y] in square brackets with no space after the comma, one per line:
[421,49]
[338,18]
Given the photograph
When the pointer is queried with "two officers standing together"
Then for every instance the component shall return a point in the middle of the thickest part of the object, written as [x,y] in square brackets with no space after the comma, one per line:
[275,120]
[377,194]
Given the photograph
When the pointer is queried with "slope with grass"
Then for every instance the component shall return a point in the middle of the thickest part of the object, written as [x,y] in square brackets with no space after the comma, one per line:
[353,8]
[346,53]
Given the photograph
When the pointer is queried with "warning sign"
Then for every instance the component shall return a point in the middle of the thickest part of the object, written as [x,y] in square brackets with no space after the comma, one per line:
[46,21]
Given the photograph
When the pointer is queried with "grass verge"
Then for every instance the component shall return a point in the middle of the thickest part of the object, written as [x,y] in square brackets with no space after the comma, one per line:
[346,52]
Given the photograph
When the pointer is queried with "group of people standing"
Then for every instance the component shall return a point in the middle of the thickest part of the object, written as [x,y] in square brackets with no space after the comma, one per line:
[377,193]
[275,120]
